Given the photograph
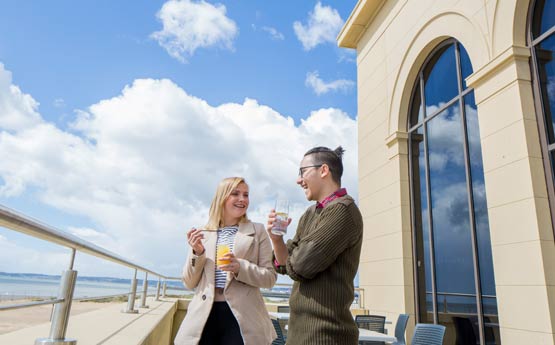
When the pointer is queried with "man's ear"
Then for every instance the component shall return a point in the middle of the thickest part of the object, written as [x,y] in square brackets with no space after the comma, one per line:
[325,171]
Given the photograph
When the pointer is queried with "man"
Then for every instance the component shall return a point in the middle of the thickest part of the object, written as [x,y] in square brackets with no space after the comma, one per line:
[323,256]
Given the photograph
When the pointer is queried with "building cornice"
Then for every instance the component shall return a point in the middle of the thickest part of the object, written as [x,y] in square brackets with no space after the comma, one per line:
[360,18]
[395,138]
[484,73]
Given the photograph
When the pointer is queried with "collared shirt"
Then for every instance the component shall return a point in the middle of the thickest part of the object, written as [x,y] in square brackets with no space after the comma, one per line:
[337,194]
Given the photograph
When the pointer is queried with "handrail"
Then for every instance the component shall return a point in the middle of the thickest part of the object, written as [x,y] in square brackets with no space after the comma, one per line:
[95,298]
[60,300]
[15,221]
[27,225]
[30,304]
[460,294]
[360,301]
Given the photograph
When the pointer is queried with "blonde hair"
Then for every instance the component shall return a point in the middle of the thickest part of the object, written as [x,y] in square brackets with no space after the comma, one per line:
[216,214]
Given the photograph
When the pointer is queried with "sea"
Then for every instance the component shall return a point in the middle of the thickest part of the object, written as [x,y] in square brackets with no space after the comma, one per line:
[28,285]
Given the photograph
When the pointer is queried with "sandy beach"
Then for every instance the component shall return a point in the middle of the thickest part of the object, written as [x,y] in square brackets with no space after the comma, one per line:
[11,320]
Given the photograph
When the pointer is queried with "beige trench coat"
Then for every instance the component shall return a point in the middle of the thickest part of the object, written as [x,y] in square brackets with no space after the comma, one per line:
[253,250]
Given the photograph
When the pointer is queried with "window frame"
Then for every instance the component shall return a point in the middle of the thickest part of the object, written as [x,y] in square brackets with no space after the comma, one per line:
[541,119]
[411,129]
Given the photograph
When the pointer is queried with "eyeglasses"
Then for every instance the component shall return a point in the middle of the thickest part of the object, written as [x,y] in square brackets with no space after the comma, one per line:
[301,169]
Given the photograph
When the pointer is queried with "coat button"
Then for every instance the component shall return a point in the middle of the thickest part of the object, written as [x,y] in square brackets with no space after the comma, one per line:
[203,297]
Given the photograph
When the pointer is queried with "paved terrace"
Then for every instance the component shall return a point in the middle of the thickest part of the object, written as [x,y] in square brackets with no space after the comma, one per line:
[109,326]
[156,325]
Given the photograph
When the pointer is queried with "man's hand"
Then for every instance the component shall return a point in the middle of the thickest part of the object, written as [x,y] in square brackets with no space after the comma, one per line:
[280,249]
[270,225]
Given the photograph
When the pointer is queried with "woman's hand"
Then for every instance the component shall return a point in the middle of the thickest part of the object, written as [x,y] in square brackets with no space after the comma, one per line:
[233,265]
[194,238]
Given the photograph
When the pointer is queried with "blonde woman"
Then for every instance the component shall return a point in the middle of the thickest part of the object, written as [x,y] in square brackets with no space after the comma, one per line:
[227,307]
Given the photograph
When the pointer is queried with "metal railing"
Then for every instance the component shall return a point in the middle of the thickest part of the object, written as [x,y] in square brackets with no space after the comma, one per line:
[359,298]
[15,221]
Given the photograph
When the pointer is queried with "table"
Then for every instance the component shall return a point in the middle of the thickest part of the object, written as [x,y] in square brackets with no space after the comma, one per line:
[367,335]
[285,317]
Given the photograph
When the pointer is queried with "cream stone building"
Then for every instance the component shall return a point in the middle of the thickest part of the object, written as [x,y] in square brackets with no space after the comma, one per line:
[456,142]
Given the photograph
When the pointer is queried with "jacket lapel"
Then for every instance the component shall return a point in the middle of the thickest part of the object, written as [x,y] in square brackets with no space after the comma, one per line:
[242,243]
[210,239]
[243,239]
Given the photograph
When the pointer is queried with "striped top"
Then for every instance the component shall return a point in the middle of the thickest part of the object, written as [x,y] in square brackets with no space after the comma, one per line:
[226,235]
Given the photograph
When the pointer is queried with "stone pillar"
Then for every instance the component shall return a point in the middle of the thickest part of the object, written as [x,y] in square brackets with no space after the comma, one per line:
[520,224]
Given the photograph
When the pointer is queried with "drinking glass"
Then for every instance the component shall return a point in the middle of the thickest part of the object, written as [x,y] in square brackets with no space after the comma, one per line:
[282,215]
[222,250]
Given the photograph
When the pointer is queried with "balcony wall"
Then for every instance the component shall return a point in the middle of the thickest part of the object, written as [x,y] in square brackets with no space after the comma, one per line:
[156,325]
[109,326]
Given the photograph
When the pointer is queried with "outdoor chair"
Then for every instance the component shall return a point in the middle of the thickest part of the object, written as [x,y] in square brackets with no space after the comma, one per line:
[428,334]
[400,328]
[374,323]
[280,340]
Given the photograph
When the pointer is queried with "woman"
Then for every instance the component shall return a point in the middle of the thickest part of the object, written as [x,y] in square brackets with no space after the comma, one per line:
[227,307]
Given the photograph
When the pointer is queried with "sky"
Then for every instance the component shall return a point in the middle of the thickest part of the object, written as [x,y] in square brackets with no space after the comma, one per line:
[119,118]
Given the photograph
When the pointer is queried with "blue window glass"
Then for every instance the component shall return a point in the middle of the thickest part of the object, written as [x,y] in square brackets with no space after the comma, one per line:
[456,304]
[466,67]
[449,202]
[479,197]
[418,111]
[451,227]
[545,51]
[423,261]
[544,18]
[542,33]
[440,80]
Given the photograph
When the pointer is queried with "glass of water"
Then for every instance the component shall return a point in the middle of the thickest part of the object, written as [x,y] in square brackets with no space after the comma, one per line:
[282,215]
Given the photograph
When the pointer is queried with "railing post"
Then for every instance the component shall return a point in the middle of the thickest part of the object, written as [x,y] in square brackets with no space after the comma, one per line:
[131,299]
[164,290]
[145,289]
[60,317]
[158,290]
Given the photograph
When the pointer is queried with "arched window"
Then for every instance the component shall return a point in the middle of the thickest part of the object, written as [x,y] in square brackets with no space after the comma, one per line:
[455,284]
[541,37]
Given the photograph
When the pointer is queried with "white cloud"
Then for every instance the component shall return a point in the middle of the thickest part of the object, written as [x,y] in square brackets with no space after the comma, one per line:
[320,87]
[59,103]
[142,166]
[99,238]
[274,33]
[324,23]
[445,137]
[51,260]
[347,55]
[551,88]
[189,25]
[17,110]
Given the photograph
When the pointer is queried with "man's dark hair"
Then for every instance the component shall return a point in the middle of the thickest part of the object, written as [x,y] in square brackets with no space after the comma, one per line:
[332,158]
